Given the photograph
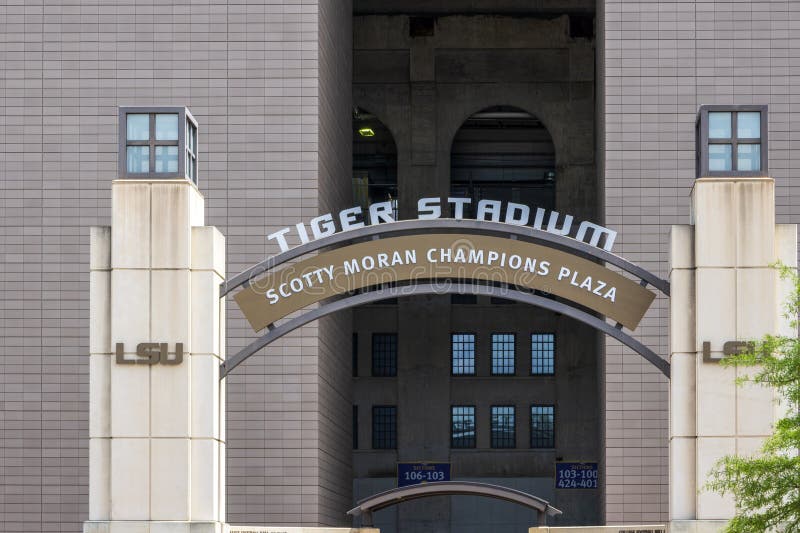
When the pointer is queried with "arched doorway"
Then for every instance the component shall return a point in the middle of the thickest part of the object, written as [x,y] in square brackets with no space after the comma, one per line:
[503,153]
[374,160]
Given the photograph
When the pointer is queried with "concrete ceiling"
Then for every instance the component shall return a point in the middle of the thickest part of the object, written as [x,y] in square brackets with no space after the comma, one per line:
[453,7]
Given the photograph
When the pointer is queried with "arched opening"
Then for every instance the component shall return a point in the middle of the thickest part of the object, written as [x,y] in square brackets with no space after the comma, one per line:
[374,160]
[388,498]
[503,153]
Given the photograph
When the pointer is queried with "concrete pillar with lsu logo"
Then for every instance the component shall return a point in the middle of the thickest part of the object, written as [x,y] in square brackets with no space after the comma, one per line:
[157,443]
[723,293]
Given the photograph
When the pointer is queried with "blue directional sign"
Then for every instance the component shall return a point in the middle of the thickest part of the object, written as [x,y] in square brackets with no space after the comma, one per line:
[415,473]
[576,475]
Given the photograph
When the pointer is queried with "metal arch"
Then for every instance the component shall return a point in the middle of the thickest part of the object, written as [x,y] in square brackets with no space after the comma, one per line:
[443,288]
[526,233]
[379,501]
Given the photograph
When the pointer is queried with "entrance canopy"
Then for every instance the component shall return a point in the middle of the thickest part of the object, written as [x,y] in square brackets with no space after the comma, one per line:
[379,501]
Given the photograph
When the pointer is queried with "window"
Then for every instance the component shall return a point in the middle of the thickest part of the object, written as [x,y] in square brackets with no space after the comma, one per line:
[543,347]
[354,349]
[191,150]
[462,426]
[503,353]
[384,427]
[384,354]
[543,426]
[732,141]
[463,346]
[503,426]
[152,139]
[355,427]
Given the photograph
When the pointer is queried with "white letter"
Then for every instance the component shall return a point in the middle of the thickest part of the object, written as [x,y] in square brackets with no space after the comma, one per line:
[563,273]
[380,212]
[492,207]
[611,294]
[348,218]
[273,298]
[301,230]
[491,257]
[600,286]
[537,222]
[459,204]
[322,226]
[551,224]
[597,232]
[279,236]
[476,257]
[285,294]
[544,268]
[522,218]
[430,255]
[368,262]
[428,208]
[351,267]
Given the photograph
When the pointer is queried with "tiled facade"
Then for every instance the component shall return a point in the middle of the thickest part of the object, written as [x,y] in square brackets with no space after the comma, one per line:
[662,61]
[260,78]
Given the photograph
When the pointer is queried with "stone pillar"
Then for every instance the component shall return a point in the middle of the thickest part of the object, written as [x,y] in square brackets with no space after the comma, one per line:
[722,289]
[156,448]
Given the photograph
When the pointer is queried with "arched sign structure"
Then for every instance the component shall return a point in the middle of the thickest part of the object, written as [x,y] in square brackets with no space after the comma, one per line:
[443,256]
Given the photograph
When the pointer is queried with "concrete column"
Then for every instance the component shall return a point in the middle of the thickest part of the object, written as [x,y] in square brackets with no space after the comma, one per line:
[156,426]
[723,289]
[683,431]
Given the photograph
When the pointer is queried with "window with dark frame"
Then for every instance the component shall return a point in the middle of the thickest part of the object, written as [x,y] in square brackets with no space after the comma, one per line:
[463,354]
[543,349]
[732,140]
[384,354]
[543,426]
[503,426]
[384,427]
[354,349]
[503,354]
[191,151]
[152,140]
[355,427]
[462,426]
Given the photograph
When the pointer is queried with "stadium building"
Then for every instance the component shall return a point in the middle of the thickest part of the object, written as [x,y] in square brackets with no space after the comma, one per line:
[278,111]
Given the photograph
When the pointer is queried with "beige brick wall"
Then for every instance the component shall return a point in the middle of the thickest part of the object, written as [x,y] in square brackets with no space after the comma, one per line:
[662,60]
[269,105]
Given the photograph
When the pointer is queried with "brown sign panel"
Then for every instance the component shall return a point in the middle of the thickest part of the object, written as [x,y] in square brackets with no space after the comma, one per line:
[443,257]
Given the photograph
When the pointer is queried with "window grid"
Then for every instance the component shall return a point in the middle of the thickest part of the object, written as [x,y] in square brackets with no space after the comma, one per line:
[384,354]
[355,427]
[463,354]
[384,427]
[728,146]
[542,426]
[503,354]
[354,354]
[543,348]
[462,426]
[158,158]
[503,426]
[151,142]
[191,151]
